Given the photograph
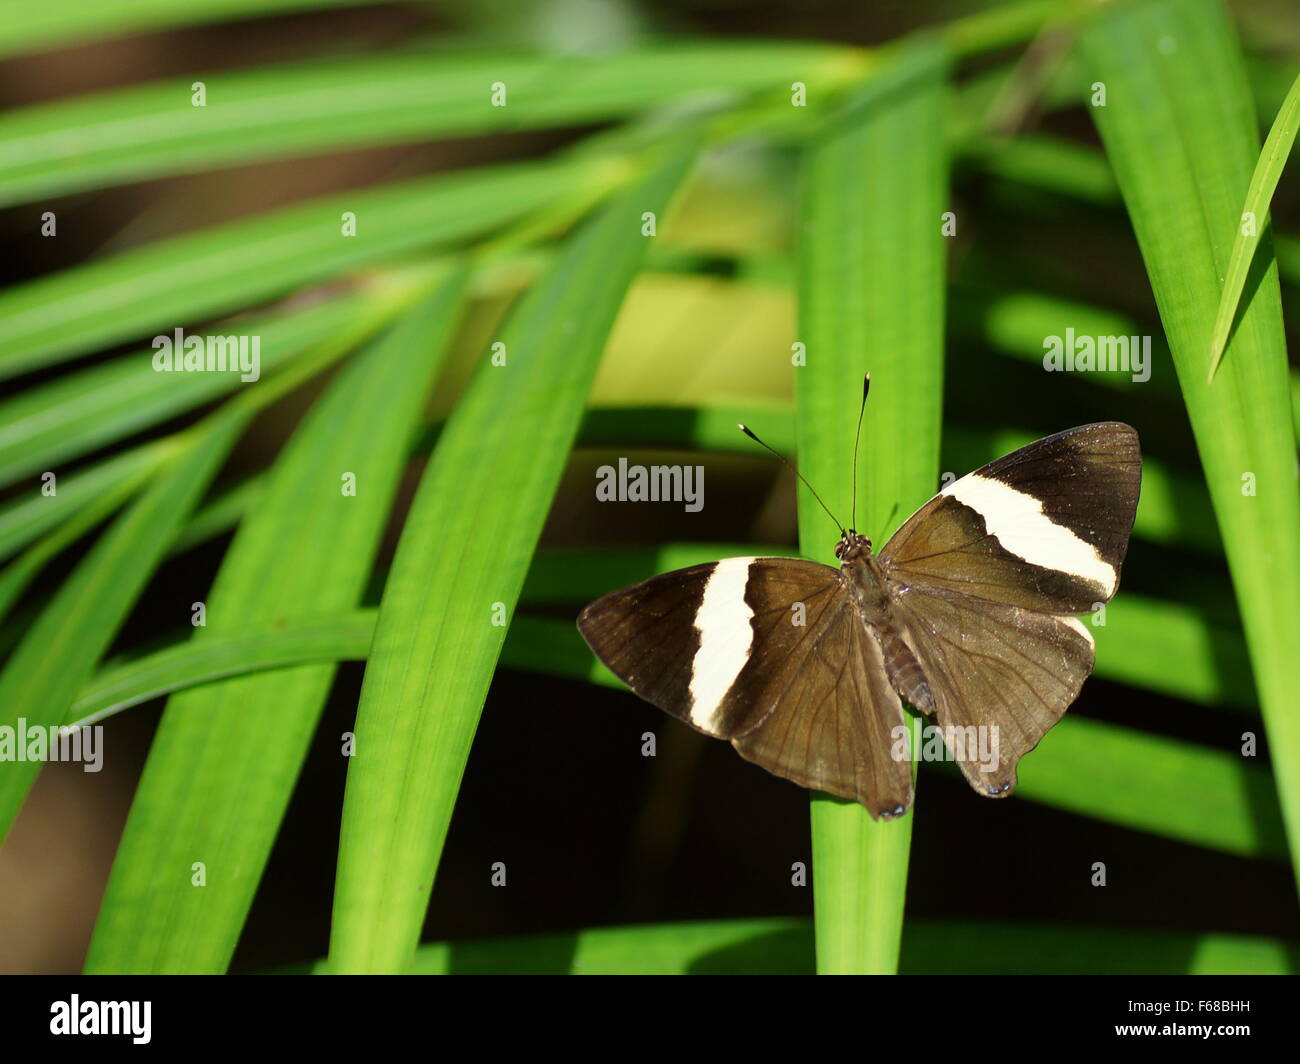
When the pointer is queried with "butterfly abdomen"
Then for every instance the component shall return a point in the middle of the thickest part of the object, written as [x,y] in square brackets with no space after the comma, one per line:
[904,671]
[876,607]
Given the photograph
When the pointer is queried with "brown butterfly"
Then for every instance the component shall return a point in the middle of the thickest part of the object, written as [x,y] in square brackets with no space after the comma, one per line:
[967,613]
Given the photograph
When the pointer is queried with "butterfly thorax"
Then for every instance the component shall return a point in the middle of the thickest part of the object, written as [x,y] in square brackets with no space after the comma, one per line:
[871,594]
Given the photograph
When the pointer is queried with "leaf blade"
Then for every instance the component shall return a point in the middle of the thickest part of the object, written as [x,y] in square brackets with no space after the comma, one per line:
[1263,183]
[874,190]
[465,546]
[205,273]
[217,781]
[151,131]
[41,678]
[1181,135]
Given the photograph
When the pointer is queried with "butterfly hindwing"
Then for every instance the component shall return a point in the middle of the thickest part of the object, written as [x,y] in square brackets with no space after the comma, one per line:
[768,653]
[1001,674]
[833,729]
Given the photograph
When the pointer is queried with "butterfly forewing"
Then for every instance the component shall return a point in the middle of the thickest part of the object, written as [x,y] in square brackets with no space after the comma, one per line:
[768,653]
[1045,527]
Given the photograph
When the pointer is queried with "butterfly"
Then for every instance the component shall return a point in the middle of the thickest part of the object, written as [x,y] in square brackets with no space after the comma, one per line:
[968,613]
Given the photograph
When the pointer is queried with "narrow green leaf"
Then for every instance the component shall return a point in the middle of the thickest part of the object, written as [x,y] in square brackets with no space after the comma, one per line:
[61,22]
[1263,183]
[220,513]
[221,655]
[56,656]
[18,574]
[218,779]
[1179,129]
[27,517]
[78,412]
[870,299]
[225,268]
[149,131]
[461,560]
[534,644]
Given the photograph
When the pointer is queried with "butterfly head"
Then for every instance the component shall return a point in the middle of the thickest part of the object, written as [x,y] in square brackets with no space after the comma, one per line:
[852,546]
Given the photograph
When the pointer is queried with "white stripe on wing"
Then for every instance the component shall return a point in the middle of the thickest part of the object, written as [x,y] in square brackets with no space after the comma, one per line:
[726,639]
[1017,521]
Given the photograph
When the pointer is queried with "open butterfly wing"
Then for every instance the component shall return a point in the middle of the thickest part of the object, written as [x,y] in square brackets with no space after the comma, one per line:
[987,575]
[770,654]
[1045,528]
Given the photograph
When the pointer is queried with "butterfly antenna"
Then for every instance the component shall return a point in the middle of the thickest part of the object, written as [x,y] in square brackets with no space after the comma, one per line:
[857,436]
[748,432]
